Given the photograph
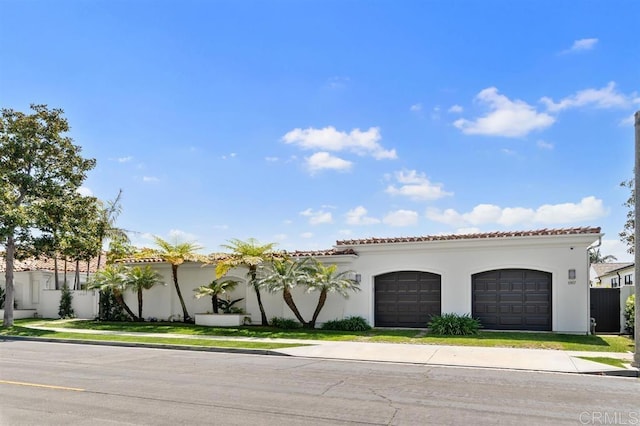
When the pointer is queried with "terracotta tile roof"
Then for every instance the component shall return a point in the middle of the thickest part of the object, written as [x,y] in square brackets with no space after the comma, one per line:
[316,253]
[534,233]
[47,264]
[607,268]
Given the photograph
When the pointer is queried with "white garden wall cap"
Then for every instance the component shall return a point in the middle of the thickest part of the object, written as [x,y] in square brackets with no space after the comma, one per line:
[485,235]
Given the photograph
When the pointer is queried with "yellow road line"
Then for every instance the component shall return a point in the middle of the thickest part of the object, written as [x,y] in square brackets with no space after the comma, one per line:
[37,385]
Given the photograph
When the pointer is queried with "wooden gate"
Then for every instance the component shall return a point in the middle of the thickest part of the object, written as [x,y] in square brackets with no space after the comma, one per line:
[605,308]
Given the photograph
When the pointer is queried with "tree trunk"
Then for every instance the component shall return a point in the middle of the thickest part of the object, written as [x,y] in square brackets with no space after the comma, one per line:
[10,251]
[185,314]
[124,305]
[65,272]
[321,299]
[256,287]
[56,274]
[140,305]
[76,277]
[288,298]
[214,303]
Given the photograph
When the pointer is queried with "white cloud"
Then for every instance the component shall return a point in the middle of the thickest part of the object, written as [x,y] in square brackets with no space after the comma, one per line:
[589,208]
[150,179]
[271,159]
[467,231]
[507,151]
[505,118]
[124,159]
[544,145]
[280,237]
[616,248]
[306,235]
[456,109]
[582,45]
[337,82]
[416,186]
[324,160]
[401,218]
[84,191]
[607,97]
[231,155]
[178,235]
[345,232]
[330,139]
[317,217]
[358,216]
[629,121]
[416,107]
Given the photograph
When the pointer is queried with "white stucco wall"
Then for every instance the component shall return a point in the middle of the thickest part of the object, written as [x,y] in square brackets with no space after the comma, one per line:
[456,261]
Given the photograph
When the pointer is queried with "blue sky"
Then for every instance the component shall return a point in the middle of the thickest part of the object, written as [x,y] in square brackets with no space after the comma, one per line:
[306,122]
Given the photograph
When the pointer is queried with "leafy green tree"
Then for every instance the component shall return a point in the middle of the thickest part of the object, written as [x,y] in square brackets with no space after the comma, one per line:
[141,278]
[37,165]
[214,289]
[326,279]
[176,254]
[113,279]
[250,254]
[627,235]
[66,300]
[282,275]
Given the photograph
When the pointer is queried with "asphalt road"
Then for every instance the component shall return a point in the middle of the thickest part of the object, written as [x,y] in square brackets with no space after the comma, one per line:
[68,384]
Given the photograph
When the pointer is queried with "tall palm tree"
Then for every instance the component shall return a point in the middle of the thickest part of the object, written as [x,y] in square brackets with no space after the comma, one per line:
[283,275]
[107,229]
[326,279]
[176,254]
[250,254]
[214,289]
[596,257]
[113,278]
[139,279]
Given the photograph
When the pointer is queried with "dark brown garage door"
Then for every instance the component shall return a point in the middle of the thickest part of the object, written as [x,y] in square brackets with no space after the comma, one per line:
[406,299]
[512,299]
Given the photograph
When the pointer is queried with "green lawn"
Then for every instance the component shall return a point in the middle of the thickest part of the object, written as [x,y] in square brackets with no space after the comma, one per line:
[413,336]
[615,362]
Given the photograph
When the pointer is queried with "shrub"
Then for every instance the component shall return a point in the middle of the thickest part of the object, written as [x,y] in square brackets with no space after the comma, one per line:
[454,325]
[66,298]
[286,323]
[630,314]
[347,324]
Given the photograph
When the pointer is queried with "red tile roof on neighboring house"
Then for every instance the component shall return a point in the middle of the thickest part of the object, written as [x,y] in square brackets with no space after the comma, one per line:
[47,264]
[535,233]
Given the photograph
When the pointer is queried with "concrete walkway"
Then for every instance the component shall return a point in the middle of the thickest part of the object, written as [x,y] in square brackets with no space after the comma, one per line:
[460,356]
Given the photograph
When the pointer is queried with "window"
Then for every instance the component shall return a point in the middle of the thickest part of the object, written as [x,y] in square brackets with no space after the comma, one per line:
[614,282]
[628,280]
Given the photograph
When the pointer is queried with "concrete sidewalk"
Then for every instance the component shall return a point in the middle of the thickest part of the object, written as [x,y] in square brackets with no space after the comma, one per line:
[459,356]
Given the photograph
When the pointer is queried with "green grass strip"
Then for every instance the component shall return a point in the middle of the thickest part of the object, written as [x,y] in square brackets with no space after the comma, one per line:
[615,362]
[568,342]
[187,341]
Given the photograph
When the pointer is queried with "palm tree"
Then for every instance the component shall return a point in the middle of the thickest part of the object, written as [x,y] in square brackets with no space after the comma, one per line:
[283,275]
[251,254]
[113,278]
[139,279]
[106,226]
[176,254]
[327,279]
[214,289]
[596,257]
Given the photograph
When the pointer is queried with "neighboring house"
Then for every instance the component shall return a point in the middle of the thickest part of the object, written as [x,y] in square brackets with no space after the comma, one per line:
[617,280]
[35,289]
[612,275]
[531,280]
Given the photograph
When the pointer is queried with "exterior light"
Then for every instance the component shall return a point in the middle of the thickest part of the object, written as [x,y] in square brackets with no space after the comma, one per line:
[572,274]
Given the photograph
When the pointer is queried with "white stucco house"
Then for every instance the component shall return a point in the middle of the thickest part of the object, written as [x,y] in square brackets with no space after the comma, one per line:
[35,291]
[529,280]
[524,280]
[612,275]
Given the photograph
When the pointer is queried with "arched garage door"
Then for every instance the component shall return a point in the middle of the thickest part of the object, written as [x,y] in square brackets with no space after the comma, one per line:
[512,299]
[406,299]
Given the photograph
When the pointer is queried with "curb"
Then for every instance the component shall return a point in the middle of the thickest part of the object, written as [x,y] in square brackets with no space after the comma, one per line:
[148,345]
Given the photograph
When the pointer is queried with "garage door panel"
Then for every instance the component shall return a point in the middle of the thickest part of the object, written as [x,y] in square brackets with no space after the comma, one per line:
[520,300]
[406,298]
